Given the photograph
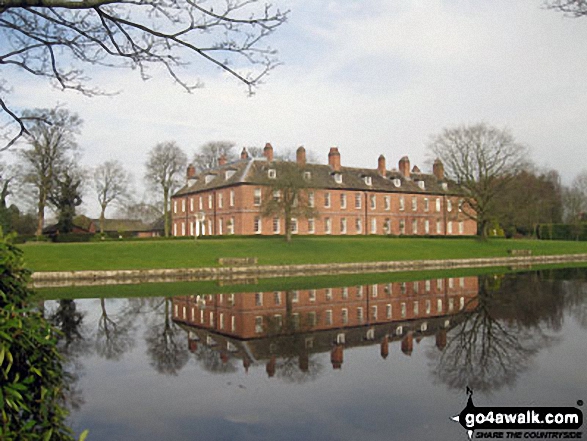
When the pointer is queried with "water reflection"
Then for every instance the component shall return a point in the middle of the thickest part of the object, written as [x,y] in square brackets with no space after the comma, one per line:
[487,332]
[284,330]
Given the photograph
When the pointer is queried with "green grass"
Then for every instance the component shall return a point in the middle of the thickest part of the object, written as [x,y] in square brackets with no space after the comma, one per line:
[191,254]
[167,289]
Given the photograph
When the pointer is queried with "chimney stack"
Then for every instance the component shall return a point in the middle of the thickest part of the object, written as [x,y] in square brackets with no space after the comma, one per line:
[191,172]
[222,160]
[336,356]
[408,344]
[381,165]
[404,167]
[334,159]
[301,156]
[268,152]
[438,169]
[244,153]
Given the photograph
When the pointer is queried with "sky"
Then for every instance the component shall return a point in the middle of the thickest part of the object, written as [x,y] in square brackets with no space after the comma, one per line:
[370,77]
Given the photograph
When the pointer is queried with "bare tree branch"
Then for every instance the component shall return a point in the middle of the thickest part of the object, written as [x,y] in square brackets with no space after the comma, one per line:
[56,39]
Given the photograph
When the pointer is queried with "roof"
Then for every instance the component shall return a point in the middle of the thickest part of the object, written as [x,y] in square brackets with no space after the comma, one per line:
[121,225]
[255,171]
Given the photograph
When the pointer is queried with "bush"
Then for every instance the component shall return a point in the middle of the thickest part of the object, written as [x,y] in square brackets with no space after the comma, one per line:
[23,238]
[563,231]
[31,371]
[72,237]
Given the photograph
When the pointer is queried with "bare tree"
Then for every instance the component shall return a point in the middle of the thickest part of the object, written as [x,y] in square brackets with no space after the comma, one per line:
[573,8]
[288,196]
[145,211]
[52,144]
[111,183]
[55,39]
[482,160]
[165,168]
[208,154]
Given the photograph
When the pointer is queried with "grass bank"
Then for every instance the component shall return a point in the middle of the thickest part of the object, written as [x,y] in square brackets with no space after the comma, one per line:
[302,250]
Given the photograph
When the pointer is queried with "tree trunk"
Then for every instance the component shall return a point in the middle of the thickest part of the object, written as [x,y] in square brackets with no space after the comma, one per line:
[166,211]
[41,214]
[102,217]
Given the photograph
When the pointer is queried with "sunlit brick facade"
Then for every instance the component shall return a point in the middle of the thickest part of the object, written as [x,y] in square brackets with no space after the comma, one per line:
[349,201]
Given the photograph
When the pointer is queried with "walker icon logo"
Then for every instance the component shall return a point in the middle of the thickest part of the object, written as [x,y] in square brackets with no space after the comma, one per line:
[520,422]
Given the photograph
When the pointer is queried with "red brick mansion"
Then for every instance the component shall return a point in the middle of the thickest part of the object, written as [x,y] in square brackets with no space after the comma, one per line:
[349,201]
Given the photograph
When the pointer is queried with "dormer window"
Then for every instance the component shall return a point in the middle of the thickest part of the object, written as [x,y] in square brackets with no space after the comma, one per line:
[229,174]
[307,175]
[272,173]
[397,182]
[209,178]
[338,178]
[422,185]
[444,186]
[368,180]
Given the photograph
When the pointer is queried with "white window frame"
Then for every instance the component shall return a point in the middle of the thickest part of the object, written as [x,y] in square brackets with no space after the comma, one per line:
[327,202]
[294,225]
[343,201]
[257,197]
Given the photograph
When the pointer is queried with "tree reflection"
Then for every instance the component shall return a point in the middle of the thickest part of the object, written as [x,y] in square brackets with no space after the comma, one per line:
[73,344]
[495,343]
[115,334]
[575,292]
[288,337]
[166,343]
[215,361]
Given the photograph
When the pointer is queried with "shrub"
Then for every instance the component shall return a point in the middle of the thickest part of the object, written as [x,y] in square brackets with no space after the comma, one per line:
[31,371]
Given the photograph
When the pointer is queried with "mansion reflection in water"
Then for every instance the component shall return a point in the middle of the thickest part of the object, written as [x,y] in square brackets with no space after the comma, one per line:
[263,327]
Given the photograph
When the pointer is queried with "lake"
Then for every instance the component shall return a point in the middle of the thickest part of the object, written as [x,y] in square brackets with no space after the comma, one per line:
[367,359]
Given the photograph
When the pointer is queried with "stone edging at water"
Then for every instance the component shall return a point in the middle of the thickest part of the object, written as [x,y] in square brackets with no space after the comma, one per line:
[233,273]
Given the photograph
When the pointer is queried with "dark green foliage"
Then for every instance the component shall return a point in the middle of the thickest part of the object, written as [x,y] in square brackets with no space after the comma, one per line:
[563,231]
[65,197]
[72,237]
[31,372]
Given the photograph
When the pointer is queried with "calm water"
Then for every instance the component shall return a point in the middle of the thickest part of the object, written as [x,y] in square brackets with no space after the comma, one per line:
[374,361]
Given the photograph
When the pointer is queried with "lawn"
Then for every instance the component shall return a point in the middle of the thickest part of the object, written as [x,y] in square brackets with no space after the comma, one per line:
[190,254]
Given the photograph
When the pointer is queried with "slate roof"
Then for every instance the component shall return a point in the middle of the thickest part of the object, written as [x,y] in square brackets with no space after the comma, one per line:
[254,171]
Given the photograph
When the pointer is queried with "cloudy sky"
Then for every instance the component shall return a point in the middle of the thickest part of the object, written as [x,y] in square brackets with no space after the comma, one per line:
[368,76]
